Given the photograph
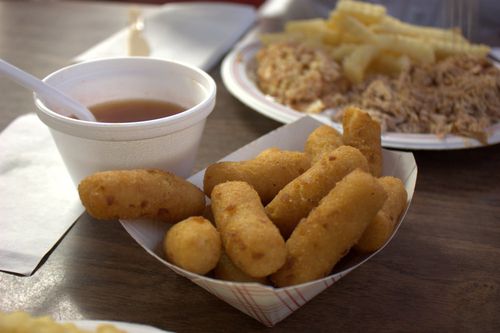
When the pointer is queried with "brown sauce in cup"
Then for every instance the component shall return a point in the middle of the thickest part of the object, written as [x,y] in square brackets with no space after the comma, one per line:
[132,110]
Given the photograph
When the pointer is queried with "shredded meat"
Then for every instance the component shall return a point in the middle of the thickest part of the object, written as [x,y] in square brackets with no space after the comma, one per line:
[459,95]
[297,75]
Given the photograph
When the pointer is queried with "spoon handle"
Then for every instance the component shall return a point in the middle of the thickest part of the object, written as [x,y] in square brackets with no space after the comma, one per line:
[69,105]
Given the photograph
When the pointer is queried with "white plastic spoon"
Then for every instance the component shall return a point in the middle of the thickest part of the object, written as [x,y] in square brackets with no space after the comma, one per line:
[68,105]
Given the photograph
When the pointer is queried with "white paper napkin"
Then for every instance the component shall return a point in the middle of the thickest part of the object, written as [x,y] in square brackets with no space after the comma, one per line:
[198,34]
[38,200]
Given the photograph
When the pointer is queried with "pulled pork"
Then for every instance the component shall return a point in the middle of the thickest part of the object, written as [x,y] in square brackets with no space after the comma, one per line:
[298,75]
[459,95]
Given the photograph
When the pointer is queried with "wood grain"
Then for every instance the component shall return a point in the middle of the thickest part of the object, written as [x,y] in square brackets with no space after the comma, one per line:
[440,273]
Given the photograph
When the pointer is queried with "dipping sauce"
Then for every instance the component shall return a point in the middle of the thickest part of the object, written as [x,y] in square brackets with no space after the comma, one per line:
[132,110]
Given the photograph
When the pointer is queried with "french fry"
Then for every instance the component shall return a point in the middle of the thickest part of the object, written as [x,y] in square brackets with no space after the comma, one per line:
[392,25]
[355,29]
[445,49]
[365,12]
[333,21]
[416,49]
[355,64]
[331,37]
[390,64]
[340,52]
[308,27]
[365,40]
[346,38]
[313,28]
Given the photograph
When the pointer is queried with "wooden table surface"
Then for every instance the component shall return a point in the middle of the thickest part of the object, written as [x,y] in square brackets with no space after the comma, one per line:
[440,273]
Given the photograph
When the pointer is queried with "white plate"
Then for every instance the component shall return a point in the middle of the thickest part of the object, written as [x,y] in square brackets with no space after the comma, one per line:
[128,327]
[238,70]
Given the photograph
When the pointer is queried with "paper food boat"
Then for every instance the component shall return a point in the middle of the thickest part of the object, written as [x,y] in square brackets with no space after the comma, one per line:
[267,304]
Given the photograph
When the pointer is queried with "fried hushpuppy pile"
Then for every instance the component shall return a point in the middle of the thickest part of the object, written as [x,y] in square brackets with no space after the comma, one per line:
[283,217]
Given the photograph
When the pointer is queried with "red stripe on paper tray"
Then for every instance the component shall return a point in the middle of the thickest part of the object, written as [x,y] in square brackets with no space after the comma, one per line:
[297,290]
[284,302]
[294,300]
[247,293]
[239,295]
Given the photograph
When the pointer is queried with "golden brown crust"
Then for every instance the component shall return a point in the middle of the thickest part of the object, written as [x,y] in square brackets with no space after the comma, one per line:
[382,226]
[132,194]
[323,139]
[193,244]
[303,193]
[252,242]
[268,173]
[331,229]
[227,271]
[362,132]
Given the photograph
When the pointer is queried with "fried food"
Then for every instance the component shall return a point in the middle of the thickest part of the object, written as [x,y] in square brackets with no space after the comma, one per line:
[382,226]
[267,173]
[356,63]
[370,33]
[302,194]
[419,52]
[207,214]
[414,79]
[331,229]
[353,30]
[193,244]
[368,13]
[322,140]
[312,29]
[456,95]
[23,322]
[391,65]
[362,132]
[140,193]
[226,270]
[391,25]
[252,242]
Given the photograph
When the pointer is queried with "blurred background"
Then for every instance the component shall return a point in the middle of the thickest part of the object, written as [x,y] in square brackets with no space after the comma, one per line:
[469,15]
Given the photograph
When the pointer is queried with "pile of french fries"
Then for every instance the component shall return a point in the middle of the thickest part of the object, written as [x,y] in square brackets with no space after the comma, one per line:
[363,38]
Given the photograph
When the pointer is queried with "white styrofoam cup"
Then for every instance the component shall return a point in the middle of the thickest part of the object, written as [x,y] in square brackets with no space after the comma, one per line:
[169,143]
